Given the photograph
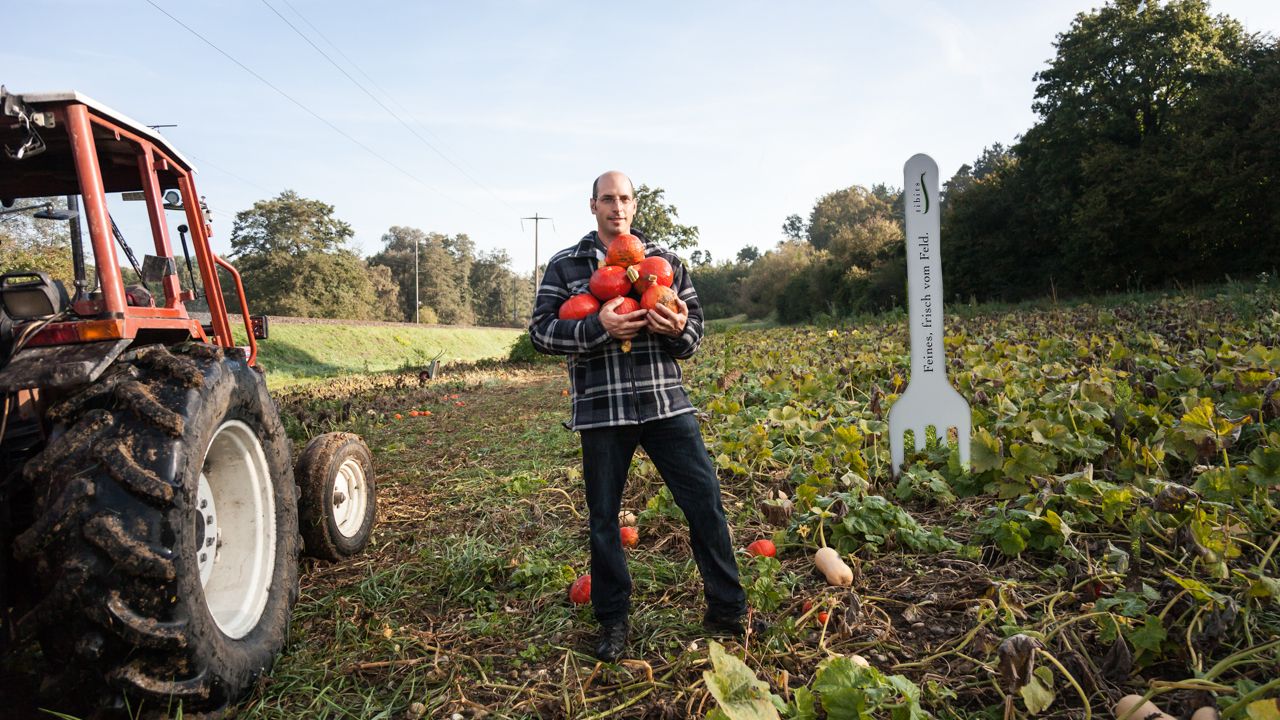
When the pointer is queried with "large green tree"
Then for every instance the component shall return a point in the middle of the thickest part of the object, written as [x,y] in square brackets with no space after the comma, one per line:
[1120,70]
[1143,168]
[292,255]
[499,296]
[443,273]
[765,283]
[1108,103]
[660,221]
[1224,169]
[289,223]
[849,223]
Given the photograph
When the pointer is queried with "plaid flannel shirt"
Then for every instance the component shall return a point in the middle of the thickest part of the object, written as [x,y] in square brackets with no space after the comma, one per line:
[610,387]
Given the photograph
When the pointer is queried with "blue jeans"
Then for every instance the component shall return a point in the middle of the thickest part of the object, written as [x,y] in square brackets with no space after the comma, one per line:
[675,446]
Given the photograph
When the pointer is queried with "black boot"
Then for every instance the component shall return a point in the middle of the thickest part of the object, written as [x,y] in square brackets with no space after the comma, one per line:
[613,641]
[732,625]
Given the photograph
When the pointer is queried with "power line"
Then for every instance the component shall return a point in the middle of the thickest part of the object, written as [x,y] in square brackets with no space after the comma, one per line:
[373,97]
[308,110]
[225,171]
[359,69]
[374,82]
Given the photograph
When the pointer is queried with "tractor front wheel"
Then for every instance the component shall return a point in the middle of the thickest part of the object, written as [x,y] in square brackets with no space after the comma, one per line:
[338,502]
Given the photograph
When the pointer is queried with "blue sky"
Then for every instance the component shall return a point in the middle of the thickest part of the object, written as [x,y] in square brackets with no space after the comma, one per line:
[744,112]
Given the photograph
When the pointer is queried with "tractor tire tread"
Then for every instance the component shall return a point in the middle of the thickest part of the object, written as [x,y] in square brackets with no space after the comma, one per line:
[108,533]
[54,520]
[143,630]
[183,369]
[118,460]
[135,676]
[94,392]
[140,398]
[71,445]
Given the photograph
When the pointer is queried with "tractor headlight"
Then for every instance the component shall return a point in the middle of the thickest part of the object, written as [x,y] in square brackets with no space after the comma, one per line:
[28,295]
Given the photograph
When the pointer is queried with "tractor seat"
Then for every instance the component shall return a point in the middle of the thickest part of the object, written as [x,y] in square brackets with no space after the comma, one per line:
[138,296]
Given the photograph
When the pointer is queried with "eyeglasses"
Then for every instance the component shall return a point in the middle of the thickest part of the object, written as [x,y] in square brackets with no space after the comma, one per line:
[615,200]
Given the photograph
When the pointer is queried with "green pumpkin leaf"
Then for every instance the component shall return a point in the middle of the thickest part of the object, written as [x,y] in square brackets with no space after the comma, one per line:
[803,705]
[1265,471]
[1266,587]
[1150,636]
[1268,709]
[1038,692]
[1025,461]
[1011,538]
[738,692]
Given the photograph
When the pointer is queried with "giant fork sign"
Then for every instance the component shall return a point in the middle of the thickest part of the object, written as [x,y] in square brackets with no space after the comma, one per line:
[929,399]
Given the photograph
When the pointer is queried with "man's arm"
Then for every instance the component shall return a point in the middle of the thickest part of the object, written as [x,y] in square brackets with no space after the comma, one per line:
[550,334]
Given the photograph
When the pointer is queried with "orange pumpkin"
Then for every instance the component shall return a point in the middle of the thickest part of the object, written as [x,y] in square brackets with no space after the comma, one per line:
[580,590]
[579,307]
[625,250]
[628,305]
[609,282]
[649,271]
[659,295]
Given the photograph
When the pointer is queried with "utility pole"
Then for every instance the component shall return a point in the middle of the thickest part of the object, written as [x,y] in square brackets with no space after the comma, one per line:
[416,301]
[536,220]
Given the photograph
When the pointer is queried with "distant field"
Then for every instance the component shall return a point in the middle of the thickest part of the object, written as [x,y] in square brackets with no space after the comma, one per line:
[299,352]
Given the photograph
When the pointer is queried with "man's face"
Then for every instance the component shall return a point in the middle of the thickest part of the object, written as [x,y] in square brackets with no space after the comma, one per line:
[614,204]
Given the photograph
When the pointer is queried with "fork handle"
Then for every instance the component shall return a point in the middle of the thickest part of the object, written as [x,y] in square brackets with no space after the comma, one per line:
[924,271]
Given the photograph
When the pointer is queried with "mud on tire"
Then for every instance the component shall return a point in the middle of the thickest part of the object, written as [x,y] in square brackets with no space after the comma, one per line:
[144,601]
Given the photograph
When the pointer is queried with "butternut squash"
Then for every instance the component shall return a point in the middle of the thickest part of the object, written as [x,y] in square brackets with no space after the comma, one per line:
[1135,708]
[1208,712]
[832,567]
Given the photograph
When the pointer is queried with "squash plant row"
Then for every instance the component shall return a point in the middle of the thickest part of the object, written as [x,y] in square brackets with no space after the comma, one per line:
[1131,453]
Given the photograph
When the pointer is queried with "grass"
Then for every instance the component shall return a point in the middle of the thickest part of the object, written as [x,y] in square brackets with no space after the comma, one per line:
[740,322]
[301,353]
[459,604]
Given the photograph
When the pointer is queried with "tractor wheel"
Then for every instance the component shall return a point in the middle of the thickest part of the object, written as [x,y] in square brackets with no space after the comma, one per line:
[166,539]
[338,502]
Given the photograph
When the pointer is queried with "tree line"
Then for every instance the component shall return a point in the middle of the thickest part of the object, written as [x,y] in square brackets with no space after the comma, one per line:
[293,255]
[1154,162]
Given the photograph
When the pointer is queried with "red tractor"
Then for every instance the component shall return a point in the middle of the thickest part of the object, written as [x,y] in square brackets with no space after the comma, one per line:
[149,511]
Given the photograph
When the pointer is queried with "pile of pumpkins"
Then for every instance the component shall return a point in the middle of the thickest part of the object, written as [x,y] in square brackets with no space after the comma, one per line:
[625,272]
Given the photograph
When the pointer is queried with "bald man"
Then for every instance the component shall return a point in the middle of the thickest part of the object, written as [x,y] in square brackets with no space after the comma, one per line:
[626,399]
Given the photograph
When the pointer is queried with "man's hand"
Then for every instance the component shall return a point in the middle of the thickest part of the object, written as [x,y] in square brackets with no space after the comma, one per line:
[663,321]
[625,326]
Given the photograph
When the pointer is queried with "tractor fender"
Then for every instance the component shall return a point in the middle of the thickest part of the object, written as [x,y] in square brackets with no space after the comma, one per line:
[60,366]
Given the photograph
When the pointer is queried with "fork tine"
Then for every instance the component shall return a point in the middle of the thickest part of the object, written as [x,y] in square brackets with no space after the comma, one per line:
[920,436]
[897,451]
[963,437]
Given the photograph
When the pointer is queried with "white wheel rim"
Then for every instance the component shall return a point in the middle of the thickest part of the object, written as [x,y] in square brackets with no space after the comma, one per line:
[238,552]
[207,533]
[350,498]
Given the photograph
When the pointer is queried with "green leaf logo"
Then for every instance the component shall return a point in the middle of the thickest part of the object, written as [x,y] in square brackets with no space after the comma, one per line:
[924,189]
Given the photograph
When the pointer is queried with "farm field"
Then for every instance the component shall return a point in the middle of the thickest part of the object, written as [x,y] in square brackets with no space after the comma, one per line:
[1116,532]
[1120,514]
